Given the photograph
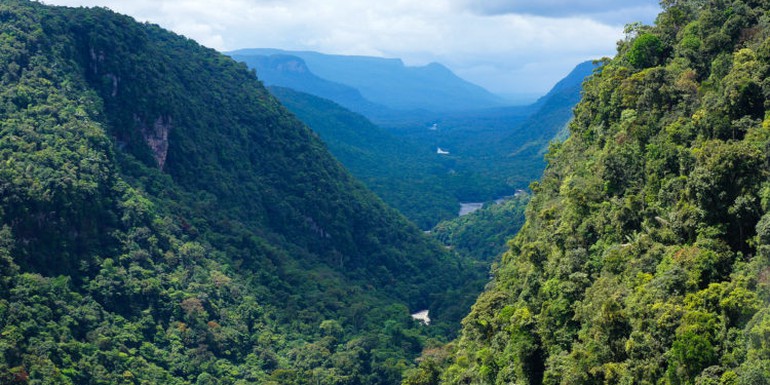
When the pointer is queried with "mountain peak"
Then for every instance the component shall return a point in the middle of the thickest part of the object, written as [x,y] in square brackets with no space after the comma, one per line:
[390,83]
[285,63]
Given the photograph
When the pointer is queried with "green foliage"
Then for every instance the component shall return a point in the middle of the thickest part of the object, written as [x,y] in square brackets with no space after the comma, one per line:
[493,152]
[496,151]
[164,220]
[482,235]
[408,177]
[478,239]
[646,50]
[644,257]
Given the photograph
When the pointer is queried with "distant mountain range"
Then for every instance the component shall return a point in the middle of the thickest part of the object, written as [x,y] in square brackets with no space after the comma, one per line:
[292,72]
[503,147]
[489,152]
[362,82]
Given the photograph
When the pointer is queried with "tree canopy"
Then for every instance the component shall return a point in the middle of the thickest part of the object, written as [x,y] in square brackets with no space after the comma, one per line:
[164,220]
[644,256]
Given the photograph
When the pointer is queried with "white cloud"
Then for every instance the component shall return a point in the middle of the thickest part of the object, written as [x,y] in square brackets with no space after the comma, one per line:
[607,10]
[499,44]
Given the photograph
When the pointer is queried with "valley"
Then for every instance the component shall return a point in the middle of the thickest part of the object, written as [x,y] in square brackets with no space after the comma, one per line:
[171,213]
[493,151]
[164,219]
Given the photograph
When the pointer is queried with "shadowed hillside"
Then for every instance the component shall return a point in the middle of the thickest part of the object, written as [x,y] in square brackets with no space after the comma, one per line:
[163,219]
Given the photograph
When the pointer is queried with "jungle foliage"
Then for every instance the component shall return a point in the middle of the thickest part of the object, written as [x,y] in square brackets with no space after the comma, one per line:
[492,152]
[482,234]
[408,177]
[645,257]
[164,220]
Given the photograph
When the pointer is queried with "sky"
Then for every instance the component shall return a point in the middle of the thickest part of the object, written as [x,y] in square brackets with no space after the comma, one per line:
[506,46]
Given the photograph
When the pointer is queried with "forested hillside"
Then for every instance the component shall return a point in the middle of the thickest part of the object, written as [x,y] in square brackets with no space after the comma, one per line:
[645,258]
[409,177]
[492,152]
[482,235]
[164,220]
[505,147]
[497,151]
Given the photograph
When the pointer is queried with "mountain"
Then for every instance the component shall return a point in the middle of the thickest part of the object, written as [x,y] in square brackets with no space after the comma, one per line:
[290,71]
[645,255]
[492,152]
[408,177]
[552,114]
[164,219]
[388,82]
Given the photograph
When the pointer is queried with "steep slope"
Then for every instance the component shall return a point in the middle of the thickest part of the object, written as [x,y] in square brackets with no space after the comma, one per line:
[389,82]
[555,109]
[645,255]
[290,71]
[492,151]
[410,178]
[163,219]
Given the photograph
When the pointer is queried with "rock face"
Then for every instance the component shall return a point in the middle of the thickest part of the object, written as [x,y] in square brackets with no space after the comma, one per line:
[296,65]
[156,137]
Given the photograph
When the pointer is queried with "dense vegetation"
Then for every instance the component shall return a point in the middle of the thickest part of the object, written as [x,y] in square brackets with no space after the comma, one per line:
[410,178]
[645,257]
[500,150]
[481,235]
[492,152]
[164,220]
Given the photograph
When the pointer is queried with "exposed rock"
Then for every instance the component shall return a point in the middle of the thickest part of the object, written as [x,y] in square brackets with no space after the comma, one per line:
[115,81]
[156,137]
[96,59]
[316,228]
[297,66]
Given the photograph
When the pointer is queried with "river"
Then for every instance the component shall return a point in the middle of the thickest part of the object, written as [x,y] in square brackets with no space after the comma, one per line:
[467,208]
[422,316]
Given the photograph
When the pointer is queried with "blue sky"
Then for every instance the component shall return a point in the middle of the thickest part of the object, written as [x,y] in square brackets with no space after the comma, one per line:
[507,46]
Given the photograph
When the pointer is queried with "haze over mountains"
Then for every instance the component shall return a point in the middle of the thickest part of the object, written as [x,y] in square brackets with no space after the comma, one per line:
[386,82]
[488,153]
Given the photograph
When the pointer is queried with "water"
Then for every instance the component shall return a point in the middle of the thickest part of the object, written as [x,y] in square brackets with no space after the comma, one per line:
[422,316]
[467,208]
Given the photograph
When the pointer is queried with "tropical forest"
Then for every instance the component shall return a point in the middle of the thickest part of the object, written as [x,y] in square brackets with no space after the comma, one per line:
[173,214]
